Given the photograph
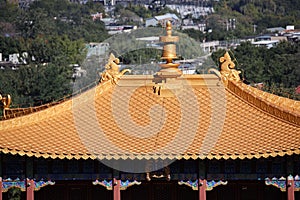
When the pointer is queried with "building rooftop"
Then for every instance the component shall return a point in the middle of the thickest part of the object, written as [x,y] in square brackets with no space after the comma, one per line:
[167,115]
[128,120]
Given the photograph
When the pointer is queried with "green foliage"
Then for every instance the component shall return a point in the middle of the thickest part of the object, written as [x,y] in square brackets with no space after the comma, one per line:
[44,49]
[9,45]
[278,67]
[14,193]
[47,77]
[187,47]
[36,84]
[141,56]
[195,34]
[58,17]
[126,16]
[53,34]
[142,11]
[261,13]
[8,11]
[275,12]
[58,50]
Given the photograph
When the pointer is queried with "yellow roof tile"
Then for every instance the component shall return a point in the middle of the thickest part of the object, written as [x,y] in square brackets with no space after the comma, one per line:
[201,120]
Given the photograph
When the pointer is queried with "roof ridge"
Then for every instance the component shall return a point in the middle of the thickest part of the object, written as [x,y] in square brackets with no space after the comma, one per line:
[281,107]
[31,114]
[11,113]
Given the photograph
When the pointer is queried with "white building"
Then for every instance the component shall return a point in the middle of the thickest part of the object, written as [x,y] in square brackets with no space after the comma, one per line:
[162,19]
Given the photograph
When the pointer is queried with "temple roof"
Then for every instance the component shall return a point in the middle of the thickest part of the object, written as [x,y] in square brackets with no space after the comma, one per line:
[164,116]
[198,117]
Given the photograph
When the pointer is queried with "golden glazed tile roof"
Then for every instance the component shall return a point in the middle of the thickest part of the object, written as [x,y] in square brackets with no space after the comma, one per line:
[202,119]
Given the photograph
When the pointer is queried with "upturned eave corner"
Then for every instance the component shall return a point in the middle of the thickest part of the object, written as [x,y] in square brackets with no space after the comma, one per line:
[284,108]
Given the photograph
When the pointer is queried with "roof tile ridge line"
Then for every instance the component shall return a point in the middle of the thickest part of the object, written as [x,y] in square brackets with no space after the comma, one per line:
[42,107]
[252,155]
[17,112]
[35,116]
[93,157]
[20,118]
[265,96]
[46,155]
[266,106]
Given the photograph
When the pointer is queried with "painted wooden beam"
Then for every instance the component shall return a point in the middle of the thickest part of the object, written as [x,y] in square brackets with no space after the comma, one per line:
[30,189]
[116,189]
[290,188]
[1,188]
[202,189]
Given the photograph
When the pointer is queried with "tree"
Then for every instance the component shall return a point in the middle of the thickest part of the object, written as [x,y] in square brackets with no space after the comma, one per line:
[8,11]
[14,193]
[61,18]
[278,67]
[195,34]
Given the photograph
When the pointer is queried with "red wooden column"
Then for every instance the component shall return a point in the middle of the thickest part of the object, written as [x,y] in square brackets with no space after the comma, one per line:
[0,188]
[30,189]
[202,189]
[290,188]
[116,189]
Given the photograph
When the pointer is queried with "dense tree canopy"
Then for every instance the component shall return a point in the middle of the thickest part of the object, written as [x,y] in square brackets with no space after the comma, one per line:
[53,33]
[277,68]
[50,37]
[251,17]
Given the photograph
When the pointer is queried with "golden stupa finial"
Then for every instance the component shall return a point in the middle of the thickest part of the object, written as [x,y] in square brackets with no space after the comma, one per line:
[169,28]
[169,53]
[167,79]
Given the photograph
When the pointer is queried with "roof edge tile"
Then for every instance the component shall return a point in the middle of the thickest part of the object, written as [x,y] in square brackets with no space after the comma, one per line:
[283,108]
[148,157]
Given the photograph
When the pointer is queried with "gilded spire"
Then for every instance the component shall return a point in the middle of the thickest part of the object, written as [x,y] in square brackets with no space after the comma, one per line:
[169,53]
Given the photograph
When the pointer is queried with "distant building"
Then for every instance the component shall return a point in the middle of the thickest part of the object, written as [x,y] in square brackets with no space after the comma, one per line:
[275,29]
[97,49]
[268,41]
[78,71]
[108,21]
[162,19]
[196,11]
[291,33]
